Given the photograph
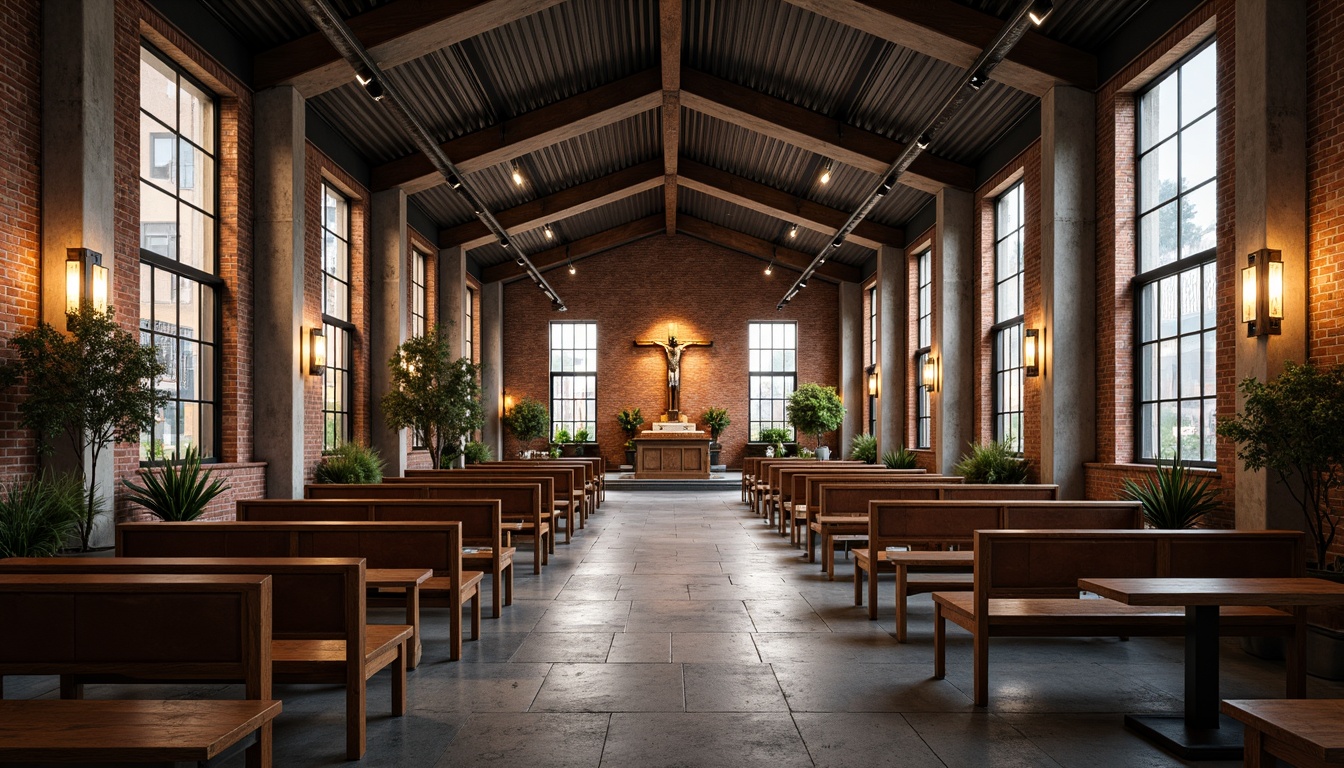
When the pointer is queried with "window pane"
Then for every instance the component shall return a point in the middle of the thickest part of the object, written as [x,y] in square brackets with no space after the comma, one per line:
[1157,114]
[1199,85]
[1157,237]
[1199,146]
[1199,211]
[1157,176]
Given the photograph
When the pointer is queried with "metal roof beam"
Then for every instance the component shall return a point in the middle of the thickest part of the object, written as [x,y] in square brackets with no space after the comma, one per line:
[951,32]
[763,249]
[393,34]
[815,132]
[581,248]
[529,132]
[782,205]
[669,29]
[561,205]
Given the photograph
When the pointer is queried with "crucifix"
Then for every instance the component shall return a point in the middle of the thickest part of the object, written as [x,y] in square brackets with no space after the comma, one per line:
[673,347]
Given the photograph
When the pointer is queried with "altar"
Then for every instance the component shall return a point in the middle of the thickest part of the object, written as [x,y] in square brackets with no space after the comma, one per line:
[672,454]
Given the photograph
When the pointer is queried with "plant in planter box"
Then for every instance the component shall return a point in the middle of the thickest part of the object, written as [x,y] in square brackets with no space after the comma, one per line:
[477,453]
[1294,426]
[863,448]
[176,493]
[900,458]
[992,462]
[437,397]
[349,464]
[630,420]
[527,420]
[37,516]
[814,409]
[1174,497]
[717,420]
[562,436]
[581,439]
[776,436]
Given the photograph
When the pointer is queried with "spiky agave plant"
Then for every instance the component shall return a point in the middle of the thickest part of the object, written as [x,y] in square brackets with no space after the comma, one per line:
[176,492]
[1174,497]
[899,459]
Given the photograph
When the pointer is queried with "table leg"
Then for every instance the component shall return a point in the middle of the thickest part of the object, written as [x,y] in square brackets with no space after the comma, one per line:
[413,618]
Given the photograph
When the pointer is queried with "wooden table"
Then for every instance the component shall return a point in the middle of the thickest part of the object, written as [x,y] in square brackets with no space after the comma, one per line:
[410,580]
[1305,733]
[1202,733]
[133,732]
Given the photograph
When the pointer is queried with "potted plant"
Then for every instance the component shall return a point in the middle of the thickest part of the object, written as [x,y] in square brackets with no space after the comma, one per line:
[176,493]
[96,385]
[477,453]
[776,437]
[717,420]
[349,464]
[992,462]
[527,421]
[630,420]
[1174,497]
[863,448]
[437,397]
[581,438]
[814,409]
[562,439]
[899,459]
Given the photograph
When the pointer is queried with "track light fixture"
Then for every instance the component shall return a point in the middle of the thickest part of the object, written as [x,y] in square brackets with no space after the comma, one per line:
[826,173]
[517,175]
[548,232]
[371,85]
[770,268]
[572,270]
[1040,10]
[978,81]
[923,141]
[793,232]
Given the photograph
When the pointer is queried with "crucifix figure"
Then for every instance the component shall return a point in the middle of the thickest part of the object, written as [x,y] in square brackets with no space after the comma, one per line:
[673,348]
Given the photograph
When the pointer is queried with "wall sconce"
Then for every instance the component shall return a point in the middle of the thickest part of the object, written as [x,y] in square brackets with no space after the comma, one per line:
[929,376]
[872,380]
[317,351]
[1262,293]
[1031,351]
[85,279]
[508,402]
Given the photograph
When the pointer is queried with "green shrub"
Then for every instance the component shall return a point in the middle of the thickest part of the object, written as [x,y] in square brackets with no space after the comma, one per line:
[582,436]
[38,516]
[814,409]
[350,464]
[717,420]
[176,492]
[863,448]
[527,420]
[899,459]
[562,436]
[477,453]
[630,420]
[776,436]
[1175,498]
[992,462]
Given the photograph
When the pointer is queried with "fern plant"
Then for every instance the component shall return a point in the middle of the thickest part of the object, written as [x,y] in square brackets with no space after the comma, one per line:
[863,448]
[477,453]
[350,464]
[176,492]
[992,462]
[562,436]
[899,459]
[1174,498]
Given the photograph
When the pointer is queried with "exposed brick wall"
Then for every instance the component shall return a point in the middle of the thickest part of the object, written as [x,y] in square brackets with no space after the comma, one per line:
[634,292]
[20,203]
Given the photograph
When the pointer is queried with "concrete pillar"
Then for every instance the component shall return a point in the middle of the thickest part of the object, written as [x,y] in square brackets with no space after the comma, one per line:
[387,318]
[956,321]
[892,342]
[492,365]
[1068,379]
[1271,195]
[851,376]
[78,182]
[452,296]
[279,338]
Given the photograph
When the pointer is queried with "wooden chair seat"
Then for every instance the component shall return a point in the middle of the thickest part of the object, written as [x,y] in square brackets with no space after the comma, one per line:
[916,572]
[439,591]
[1304,732]
[322,661]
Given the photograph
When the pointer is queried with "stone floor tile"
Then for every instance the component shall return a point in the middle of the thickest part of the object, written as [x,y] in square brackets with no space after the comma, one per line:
[693,740]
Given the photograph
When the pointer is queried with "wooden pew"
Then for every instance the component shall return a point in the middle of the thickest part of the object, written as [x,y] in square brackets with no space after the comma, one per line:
[1026,585]
[932,524]
[524,506]
[588,464]
[430,546]
[867,487]
[166,628]
[767,485]
[556,507]
[319,629]
[798,484]
[571,499]
[482,527]
[1304,732]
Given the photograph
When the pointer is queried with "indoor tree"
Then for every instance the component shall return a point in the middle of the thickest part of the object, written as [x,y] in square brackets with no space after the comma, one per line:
[528,420]
[436,397]
[94,385]
[814,409]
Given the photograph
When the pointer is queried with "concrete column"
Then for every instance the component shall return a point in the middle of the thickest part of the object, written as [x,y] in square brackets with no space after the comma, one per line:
[956,321]
[892,342]
[1068,378]
[387,318]
[492,365]
[78,182]
[851,377]
[1271,195]
[452,296]
[279,336]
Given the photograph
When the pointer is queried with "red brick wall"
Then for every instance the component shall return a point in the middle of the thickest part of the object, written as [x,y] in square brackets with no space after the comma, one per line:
[634,292]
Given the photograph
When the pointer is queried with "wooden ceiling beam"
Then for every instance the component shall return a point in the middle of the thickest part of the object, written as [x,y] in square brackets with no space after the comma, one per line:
[669,29]
[579,249]
[529,132]
[394,34]
[816,132]
[764,250]
[561,205]
[781,205]
[949,31]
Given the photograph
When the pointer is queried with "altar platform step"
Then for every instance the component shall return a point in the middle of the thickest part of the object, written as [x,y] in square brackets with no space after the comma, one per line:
[718,481]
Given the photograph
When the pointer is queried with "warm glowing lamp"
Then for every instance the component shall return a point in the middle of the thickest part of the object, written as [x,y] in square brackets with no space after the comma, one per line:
[929,376]
[1031,351]
[85,279]
[317,351]
[872,381]
[1262,293]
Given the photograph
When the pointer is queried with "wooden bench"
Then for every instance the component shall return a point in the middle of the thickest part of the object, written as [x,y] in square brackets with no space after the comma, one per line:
[589,465]
[427,546]
[1026,585]
[482,527]
[1308,733]
[927,524]
[571,496]
[319,630]
[525,507]
[806,503]
[848,498]
[166,628]
[767,485]
[793,487]
[555,508]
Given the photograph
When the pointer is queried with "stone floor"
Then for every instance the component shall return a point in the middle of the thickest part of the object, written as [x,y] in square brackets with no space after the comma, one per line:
[677,630]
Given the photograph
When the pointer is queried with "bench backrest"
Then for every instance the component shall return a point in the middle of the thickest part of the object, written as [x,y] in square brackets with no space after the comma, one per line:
[849,495]
[433,546]
[518,500]
[588,464]
[897,523]
[806,484]
[480,519]
[774,469]
[215,627]
[1019,563]
[793,480]
[313,598]
[568,479]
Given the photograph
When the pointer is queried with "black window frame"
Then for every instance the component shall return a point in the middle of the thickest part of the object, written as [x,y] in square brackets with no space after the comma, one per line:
[338,332]
[755,425]
[557,377]
[923,346]
[419,292]
[1006,332]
